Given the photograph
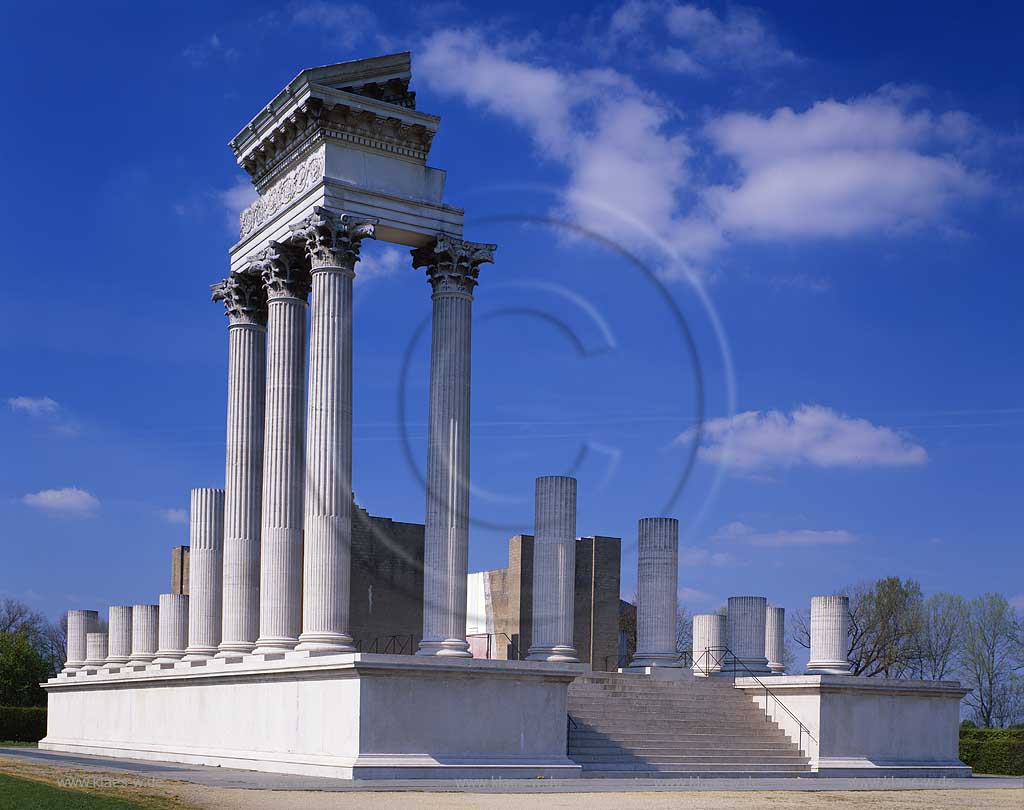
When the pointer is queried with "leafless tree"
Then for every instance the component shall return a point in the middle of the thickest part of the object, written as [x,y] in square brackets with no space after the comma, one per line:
[989,664]
[939,636]
[684,629]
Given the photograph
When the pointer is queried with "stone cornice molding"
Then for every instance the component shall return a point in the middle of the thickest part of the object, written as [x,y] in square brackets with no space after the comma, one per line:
[332,240]
[300,179]
[284,271]
[453,265]
[244,298]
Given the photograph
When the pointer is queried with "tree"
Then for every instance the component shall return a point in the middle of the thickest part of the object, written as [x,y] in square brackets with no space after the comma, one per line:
[988,665]
[684,629]
[22,669]
[49,639]
[939,636]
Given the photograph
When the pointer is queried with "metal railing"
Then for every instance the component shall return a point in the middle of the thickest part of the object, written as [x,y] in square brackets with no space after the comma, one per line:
[715,660]
[394,645]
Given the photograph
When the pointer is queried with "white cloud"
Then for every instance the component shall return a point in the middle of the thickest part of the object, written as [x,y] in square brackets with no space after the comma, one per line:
[840,168]
[70,500]
[376,262]
[34,406]
[693,596]
[737,39]
[811,434]
[200,53]
[740,532]
[696,556]
[346,23]
[239,196]
[175,516]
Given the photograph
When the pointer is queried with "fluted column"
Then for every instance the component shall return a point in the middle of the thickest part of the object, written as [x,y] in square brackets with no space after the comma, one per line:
[172,638]
[708,643]
[287,283]
[453,266]
[80,624]
[775,639]
[245,301]
[119,635]
[830,636]
[332,246]
[205,572]
[745,625]
[657,583]
[554,570]
[95,650]
[145,634]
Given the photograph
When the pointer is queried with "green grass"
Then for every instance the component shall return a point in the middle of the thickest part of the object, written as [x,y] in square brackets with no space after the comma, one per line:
[17,744]
[23,794]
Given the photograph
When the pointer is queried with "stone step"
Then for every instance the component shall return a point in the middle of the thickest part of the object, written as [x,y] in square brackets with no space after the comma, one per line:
[752,767]
[677,757]
[669,725]
[653,748]
[699,772]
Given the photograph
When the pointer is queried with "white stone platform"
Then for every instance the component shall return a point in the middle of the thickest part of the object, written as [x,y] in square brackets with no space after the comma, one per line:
[344,716]
[868,726]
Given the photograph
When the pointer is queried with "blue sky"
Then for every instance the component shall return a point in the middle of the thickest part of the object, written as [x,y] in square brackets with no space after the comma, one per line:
[829,201]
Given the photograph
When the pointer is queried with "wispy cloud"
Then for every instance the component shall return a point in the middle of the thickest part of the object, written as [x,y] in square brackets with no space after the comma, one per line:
[693,596]
[201,53]
[175,516]
[694,556]
[34,406]
[344,23]
[70,500]
[235,199]
[742,533]
[810,435]
[376,262]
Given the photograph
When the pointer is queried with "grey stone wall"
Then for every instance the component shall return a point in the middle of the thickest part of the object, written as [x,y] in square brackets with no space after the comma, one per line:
[179,570]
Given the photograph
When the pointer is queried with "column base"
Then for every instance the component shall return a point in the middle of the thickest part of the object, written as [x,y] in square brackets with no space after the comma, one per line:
[776,669]
[274,645]
[559,654]
[828,668]
[646,659]
[199,653]
[445,648]
[168,656]
[141,660]
[326,642]
[231,649]
[117,661]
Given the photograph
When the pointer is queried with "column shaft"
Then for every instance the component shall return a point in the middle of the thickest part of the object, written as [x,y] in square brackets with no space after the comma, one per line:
[145,634]
[172,638]
[245,300]
[205,572]
[745,634]
[830,636]
[95,650]
[775,639]
[657,583]
[80,624]
[119,634]
[708,643]
[554,570]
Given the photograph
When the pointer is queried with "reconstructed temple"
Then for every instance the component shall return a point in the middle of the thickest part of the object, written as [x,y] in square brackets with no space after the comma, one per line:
[263,656]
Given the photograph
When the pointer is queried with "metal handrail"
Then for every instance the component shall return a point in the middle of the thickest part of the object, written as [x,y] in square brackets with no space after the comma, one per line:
[729,657]
[392,644]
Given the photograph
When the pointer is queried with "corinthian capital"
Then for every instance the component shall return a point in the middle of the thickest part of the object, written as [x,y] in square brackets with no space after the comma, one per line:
[453,264]
[283,270]
[333,240]
[245,299]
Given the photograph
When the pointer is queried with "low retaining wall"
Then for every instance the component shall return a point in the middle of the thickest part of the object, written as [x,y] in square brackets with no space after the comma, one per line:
[868,726]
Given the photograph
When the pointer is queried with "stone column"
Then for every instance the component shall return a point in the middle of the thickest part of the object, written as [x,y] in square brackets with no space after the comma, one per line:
[830,636]
[745,625]
[657,583]
[205,572]
[95,650]
[80,624]
[708,643]
[145,624]
[287,282]
[174,628]
[119,634]
[452,269]
[332,246]
[245,301]
[775,639]
[554,570]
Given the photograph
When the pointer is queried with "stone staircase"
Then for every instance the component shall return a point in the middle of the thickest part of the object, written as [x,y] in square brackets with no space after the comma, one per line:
[636,726]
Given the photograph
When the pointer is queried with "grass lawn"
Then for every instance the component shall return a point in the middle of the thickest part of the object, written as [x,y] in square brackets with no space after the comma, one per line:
[18,744]
[25,794]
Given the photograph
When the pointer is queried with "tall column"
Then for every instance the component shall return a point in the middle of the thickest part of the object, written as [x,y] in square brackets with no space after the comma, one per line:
[708,643]
[245,301]
[205,572]
[80,624]
[657,583]
[745,634]
[830,636]
[145,634]
[332,246]
[554,570]
[95,650]
[287,283]
[119,634]
[453,266]
[172,638]
[775,639]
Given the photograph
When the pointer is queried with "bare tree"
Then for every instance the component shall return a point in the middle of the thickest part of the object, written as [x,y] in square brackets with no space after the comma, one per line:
[684,629]
[997,693]
[939,636]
